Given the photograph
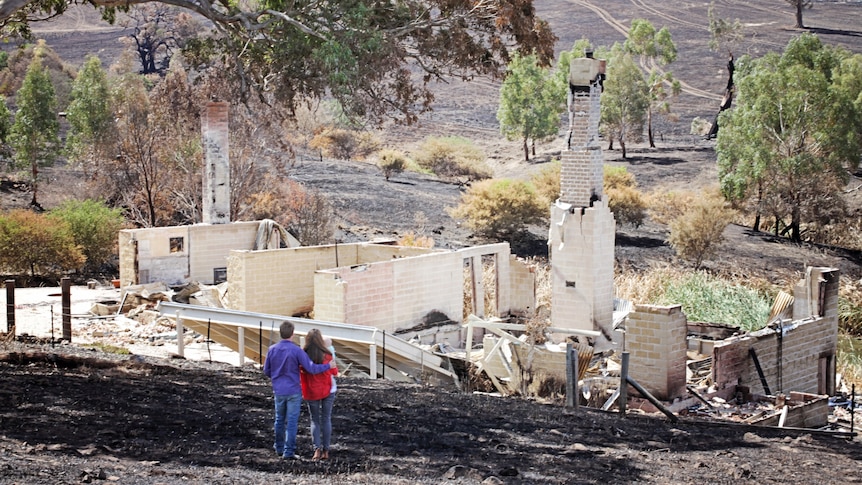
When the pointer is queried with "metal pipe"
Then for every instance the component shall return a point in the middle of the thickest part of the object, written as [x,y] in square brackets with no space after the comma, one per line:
[624,377]
[655,402]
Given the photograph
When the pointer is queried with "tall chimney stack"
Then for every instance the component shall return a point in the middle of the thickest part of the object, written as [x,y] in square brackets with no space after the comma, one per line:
[216,196]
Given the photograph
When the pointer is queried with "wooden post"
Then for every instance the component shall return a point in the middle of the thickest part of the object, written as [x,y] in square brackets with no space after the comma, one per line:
[571,380]
[10,307]
[66,303]
[624,377]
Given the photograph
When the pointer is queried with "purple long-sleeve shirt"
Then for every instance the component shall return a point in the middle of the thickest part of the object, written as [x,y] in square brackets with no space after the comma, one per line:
[282,367]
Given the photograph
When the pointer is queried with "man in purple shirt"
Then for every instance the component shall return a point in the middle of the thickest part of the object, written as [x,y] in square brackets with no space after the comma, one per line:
[282,367]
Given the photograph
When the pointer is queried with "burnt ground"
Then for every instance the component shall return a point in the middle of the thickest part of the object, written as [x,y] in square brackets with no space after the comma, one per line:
[99,417]
[91,418]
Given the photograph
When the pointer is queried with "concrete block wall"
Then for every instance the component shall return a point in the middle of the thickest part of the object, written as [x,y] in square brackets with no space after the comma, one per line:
[581,248]
[205,247]
[819,284]
[330,292]
[730,362]
[792,359]
[128,249]
[656,342]
[155,261]
[397,294]
[210,245]
[281,281]
[372,253]
[523,284]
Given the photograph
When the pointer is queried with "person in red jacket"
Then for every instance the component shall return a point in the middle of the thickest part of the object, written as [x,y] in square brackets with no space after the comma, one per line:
[317,392]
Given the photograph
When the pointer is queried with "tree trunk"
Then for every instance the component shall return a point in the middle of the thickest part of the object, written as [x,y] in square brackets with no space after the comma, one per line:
[795,235]
[799,5]
[35,171]
[526,150]
[649,128]
[623,147]
[756,226]
[533,146]
[611,144]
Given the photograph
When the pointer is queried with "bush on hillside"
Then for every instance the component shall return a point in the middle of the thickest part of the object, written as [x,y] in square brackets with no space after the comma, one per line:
[391,162]
[499,209]
[309,215]
[412,239]
[94,227]
[35,245]
[344,144]
[624,199]
[697,234]
[452,157]
[547,183]
[665,206]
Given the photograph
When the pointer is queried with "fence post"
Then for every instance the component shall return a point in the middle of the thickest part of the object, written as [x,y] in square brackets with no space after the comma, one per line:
[10,307]
[66,298]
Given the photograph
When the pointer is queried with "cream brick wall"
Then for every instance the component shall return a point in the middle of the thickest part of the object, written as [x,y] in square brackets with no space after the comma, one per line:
[329,297]
[523,284]
[371,253]
[397,294]
[581,248]
[210,245]
[656,342]
[281,281]
[791,360]
[127,251]
[205,247]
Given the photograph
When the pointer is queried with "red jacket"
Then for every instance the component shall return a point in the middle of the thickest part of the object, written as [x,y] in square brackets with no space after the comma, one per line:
[317,386]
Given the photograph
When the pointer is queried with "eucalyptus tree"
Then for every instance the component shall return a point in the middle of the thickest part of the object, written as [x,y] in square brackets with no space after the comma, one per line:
[530,103]
[655,48]
[788,146]
[34,134]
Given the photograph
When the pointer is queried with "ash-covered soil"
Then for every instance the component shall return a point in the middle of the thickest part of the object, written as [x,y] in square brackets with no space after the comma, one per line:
[71,416]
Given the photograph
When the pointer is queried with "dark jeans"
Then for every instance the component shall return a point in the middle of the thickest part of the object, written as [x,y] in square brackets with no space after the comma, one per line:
[321,421]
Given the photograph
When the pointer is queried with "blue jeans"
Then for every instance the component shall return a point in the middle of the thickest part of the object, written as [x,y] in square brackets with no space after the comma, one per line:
[287,408]
[321,421]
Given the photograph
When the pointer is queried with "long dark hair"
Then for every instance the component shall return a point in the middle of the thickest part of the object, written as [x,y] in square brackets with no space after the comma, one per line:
[314,346]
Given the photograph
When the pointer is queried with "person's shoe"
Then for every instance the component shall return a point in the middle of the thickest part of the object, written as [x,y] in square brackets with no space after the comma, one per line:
[318,455]
[292,457]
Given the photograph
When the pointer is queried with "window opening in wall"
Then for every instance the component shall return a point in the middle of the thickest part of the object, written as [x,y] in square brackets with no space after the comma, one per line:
[176,244]
[219,275]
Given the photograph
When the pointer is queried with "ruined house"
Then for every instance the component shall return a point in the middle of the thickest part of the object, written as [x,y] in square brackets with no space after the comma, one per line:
[392,310]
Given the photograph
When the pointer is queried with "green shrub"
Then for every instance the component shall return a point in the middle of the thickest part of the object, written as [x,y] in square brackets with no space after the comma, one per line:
[499,209]
[709,299]
[32,244]
[94,227]
[391,162]
[697,234]
[452,157]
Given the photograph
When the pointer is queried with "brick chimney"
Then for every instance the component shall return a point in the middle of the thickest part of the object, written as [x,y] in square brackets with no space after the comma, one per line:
[216,187]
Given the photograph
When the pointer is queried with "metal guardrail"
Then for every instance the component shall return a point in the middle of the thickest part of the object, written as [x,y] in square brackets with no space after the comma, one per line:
[237,329]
